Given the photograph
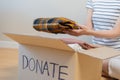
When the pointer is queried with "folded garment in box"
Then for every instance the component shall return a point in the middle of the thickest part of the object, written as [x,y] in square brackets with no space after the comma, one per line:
[54,25]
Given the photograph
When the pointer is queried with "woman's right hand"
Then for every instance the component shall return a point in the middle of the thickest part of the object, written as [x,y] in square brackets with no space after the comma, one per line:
[83,44]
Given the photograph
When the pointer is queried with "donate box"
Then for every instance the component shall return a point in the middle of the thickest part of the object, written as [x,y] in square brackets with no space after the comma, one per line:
[42,58]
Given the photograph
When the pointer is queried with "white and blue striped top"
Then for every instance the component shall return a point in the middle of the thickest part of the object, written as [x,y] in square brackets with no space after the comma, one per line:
[105,15]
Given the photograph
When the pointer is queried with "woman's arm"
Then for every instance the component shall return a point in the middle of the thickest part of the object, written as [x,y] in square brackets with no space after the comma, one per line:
[113,33]
[83,44]
[89,18]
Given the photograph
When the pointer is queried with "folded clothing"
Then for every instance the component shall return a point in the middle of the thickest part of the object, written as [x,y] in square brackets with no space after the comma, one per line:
[54,25]
[76,47]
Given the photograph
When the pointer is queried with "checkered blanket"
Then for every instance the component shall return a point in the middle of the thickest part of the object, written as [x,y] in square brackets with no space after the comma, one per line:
[54,25]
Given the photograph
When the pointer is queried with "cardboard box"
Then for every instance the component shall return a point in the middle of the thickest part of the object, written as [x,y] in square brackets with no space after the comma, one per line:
[103,78]
[43,58]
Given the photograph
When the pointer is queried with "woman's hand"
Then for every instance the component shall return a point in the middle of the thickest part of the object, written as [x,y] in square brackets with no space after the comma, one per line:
[83,30]
[84,45]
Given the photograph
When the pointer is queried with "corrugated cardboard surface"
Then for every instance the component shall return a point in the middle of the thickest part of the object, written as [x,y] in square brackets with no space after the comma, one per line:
[48,55]
[83,65]
[89,66]
[101,52]
[39,41]
[80,67]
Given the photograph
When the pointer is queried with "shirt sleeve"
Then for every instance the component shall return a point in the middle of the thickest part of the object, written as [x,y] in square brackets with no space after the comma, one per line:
[89,4]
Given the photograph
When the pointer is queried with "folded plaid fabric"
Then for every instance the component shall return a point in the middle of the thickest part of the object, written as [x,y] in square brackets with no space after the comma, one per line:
[54,25]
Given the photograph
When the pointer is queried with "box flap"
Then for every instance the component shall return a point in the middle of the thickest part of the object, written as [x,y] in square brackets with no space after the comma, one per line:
[39,41]
[101,52]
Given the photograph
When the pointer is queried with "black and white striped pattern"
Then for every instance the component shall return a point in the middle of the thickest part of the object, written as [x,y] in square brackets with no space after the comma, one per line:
[105,15]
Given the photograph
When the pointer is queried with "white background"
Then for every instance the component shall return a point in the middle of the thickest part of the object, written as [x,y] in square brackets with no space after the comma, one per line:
[17,16]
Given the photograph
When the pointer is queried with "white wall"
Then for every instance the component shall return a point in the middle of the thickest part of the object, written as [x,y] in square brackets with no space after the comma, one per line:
[17,16]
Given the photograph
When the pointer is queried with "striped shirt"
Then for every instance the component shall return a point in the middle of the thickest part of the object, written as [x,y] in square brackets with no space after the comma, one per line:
[105,15]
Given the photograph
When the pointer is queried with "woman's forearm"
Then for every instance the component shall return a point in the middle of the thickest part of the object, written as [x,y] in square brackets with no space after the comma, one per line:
[104,33]
[113,33]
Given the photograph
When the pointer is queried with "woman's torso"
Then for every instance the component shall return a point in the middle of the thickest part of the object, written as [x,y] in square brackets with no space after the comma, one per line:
[105,15]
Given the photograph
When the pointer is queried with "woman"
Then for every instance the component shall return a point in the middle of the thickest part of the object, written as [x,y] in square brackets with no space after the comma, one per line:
[103,23]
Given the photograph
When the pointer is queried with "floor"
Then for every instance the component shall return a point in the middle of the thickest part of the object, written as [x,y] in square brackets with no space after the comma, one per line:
[8,64]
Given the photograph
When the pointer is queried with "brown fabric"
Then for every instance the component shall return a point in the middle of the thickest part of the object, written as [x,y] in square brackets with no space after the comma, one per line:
[54,25]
